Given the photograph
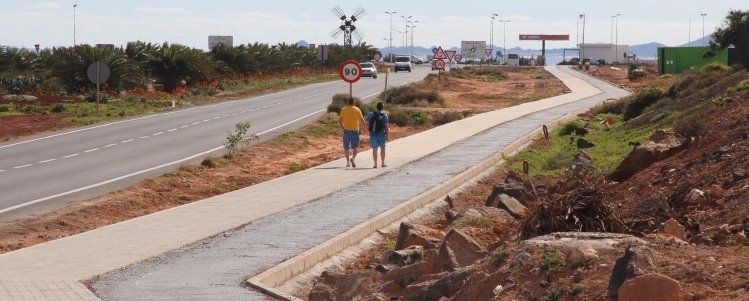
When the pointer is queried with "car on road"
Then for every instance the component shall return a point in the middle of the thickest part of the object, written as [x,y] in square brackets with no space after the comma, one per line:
[418,60]
[403,63]
[368,70]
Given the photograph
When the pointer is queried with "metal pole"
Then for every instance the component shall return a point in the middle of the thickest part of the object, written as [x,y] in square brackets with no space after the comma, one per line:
[98,66]
[703,28]
[74,31]
[611,36]
[690,32]
[390,42]
[582,48]
[616,45]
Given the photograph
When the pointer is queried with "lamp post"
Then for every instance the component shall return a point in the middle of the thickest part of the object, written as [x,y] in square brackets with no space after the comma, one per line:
[582,48]
[390,41]
[412,25]
[504,39]
[689,43]
[491,34]
[703,27]
[405,38]
[616,39]
[74,41]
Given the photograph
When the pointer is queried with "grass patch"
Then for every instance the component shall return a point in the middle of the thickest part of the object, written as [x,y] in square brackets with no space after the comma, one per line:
[499,257]
[553,295]
[551,263]
[575,289]
[296,167]
[552,158]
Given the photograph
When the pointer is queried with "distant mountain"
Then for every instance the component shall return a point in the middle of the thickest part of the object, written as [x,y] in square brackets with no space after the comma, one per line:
[302,43]
[699,42]
[649,50]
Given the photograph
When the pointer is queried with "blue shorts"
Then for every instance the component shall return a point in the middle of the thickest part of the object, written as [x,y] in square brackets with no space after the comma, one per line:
[350,139]
[378,140]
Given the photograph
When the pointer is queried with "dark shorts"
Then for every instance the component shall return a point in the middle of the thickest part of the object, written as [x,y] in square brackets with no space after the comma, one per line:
[350,139]
[378,140]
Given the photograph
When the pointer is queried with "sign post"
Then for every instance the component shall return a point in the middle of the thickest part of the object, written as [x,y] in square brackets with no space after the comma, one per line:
[98,73]
[350,72]
[450,56]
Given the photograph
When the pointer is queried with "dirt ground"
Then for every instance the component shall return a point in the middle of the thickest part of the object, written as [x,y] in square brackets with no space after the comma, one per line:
[618,75]
[310,146]
[24,125]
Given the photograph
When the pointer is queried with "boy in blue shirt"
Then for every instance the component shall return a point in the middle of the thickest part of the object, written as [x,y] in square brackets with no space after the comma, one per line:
[378,133]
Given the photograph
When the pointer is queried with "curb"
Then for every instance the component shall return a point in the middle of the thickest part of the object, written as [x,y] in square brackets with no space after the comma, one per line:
[268,280]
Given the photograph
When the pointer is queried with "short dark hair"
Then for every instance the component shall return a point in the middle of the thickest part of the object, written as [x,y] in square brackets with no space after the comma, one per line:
[380,106]
[351,101]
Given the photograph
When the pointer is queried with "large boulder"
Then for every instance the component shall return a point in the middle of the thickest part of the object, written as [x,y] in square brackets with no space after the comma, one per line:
[417,235]
[407,256]
[515,185]
[660,146]
[635,262]
[652,287]
[342,286]
[673,228]
[459,250]
[434,290]
[510,204]
[581,162]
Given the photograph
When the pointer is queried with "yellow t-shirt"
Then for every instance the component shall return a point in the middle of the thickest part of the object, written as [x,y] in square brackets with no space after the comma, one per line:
[350,115]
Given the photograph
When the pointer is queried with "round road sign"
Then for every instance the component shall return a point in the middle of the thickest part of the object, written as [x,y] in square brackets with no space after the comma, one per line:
[98,73]
[439,64]
[377,56]
[350,71]
[434,49]
[458,58]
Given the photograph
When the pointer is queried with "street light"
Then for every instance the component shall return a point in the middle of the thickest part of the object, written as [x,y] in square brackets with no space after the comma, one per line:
[74,41]
[405,39]
[582,46]
[413,25]
[390,42]
[703,27]
[616,40]
[491,34]
[612,27]
[504,39]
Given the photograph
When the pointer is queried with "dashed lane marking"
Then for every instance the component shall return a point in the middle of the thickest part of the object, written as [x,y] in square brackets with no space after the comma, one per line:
[22,166]
[91,150]
[46,161]
[70,156]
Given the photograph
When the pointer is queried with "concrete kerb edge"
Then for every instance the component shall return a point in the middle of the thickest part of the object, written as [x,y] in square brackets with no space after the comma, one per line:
[268,280]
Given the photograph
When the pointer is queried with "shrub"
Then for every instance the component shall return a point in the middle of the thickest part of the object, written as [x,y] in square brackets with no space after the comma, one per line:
[341,100]
[636,105]
[230,85]
[740,87]
[551,263]
[399,117]
[236,139]
[296,167]
[208,162]
[7,108]
[19,84]
[204,91]
[499,257]
[690,125]
[575,289]
[447,117]
[418,117]
[34,109]
[91,97]
[611,107]
[407,95]
[577,127]
[59,108]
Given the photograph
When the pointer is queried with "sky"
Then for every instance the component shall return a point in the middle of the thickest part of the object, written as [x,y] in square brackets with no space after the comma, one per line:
[443,23]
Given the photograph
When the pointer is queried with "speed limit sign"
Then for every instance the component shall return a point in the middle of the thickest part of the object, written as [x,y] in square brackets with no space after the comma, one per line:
[439,65]
[458,57]
[350,72]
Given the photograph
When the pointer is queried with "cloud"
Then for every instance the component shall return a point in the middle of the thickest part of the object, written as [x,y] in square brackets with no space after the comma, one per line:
[163,10]
[45,5]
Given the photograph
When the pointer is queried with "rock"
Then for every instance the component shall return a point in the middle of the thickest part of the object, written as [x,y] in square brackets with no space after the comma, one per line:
[581,161]
[567,242]
[716,191]
[20,98]
[696,196]
[584,254]
[342,286]
[464,249]
[738,174]
[740,238]
[451,215]
[510,204]
[404,257]
[543,283]
[582,143]
[468,215]
[434,290]
[478,284]
[652,287]
[635,262]
[673,228]
[702,239]
[659,147]
[414,234]
[516,192]
[501,288]
[409,274]
[385,268]
[520,259]
[496,213]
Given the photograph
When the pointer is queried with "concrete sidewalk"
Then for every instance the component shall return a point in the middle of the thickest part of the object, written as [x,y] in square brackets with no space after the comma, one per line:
[52,270]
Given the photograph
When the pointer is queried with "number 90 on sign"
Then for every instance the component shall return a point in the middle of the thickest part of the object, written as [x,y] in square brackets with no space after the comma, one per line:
[350,71]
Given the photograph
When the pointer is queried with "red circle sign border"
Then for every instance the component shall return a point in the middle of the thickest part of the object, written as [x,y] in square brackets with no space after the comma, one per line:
[358,76]
[439,62]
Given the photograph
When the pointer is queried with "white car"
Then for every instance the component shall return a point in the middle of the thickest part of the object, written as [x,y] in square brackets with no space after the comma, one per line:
[368,70]
[403,63]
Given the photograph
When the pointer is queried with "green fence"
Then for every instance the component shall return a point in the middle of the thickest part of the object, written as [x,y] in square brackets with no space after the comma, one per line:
[672,60]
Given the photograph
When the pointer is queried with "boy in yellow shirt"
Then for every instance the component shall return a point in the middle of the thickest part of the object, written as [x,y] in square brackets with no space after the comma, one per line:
[351,121]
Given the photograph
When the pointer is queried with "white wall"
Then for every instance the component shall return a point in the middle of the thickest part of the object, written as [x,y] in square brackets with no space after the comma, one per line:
[607,52]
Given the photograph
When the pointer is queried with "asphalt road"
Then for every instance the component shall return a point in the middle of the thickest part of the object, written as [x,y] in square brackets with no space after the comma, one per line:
[47,172]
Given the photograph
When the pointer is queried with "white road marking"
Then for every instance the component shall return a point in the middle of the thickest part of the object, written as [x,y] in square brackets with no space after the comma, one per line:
[126,141]
[156,134]
[110,145]
[91,150]
[143,137]
[2,170]
[217,117]
[197,122]
[184,126]
[45,161]
[227,115]
[172,130]
[70,156]
[22,166]
[145,170]
[206,120]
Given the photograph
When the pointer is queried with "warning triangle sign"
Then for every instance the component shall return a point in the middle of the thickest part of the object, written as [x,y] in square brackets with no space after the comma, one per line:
[450,54]
[440,54]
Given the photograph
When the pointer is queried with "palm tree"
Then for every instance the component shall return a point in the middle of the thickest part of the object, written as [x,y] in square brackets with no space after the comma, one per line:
[17,60]
[175,63]
[70,64]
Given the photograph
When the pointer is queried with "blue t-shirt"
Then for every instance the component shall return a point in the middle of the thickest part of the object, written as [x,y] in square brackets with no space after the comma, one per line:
[385,120]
